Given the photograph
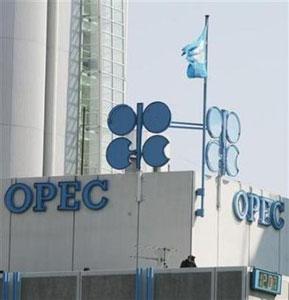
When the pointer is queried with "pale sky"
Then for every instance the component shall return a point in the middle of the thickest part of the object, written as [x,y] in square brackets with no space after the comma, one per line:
[248,73]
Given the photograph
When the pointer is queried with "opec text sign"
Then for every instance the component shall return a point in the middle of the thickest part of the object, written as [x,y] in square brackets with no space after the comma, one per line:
[20,197]
[252,207]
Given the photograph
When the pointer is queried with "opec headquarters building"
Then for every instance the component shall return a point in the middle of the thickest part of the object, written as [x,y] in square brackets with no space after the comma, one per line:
[71,226]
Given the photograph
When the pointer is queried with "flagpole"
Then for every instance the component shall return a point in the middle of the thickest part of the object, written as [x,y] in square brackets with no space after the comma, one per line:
[200,212]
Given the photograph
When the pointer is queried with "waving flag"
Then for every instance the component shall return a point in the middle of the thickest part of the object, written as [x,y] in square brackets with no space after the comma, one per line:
[196,56]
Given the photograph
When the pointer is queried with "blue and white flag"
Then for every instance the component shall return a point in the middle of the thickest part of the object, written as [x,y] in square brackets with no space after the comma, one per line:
[196,56]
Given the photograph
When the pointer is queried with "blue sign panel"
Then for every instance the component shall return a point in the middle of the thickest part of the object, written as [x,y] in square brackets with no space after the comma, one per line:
[44,192]
[154,151]
[251,207]
[157,117]
[122,120]
[265,281]
[118,153]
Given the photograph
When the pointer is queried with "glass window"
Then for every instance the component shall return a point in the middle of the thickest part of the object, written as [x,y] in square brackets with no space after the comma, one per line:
[117,16]
[106,12]
[118,70]
[117,43]
[117,56]
[106,107]
[85,92]
[85,25]
[117,29]
[118,97]
[106,25]
[106,52]
[92,120]
[86,8]
[106,2]
[106,80]
[107,66]
[106,39]
[117,83]
[86,37]
[117,4]
[90,8]
[85,80]
[106,93]
[106,135]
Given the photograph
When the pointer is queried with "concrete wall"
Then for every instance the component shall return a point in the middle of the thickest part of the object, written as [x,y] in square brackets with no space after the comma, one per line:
[104,239]
[233,242]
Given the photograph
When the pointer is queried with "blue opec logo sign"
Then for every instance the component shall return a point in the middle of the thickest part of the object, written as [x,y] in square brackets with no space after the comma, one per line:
[42,193]
[251,207]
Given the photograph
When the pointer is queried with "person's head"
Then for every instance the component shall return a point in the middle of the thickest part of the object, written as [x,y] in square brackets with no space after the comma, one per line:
[191,258]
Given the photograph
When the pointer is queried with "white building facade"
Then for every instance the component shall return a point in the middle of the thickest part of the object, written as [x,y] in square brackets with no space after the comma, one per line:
[56,57]
[104,222]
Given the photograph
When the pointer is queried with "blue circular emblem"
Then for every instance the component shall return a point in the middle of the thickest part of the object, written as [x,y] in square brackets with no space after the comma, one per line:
[121,119]
[157,117]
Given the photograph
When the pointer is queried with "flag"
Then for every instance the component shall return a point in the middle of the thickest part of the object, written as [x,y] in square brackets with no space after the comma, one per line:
[196,56]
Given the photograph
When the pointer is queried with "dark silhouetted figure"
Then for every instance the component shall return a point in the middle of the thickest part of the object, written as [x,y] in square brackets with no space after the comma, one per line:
[189,262]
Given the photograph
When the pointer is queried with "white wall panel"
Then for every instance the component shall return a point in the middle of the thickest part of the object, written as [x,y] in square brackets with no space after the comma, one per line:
[42,241]
[7,12]
[26,151]
[30,20]
[6,76]
[64,24]
[22,76]
[5,218]
[205,230]
[58,42]
[5,153]
[264,243]
[165,215]
[28,85]
[105,239]
[233,235]
[247,188]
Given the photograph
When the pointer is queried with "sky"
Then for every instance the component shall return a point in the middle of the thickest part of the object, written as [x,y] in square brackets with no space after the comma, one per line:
[248,74]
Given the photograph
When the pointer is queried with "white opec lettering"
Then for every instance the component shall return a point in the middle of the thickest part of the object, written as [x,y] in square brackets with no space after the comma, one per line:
[253,208]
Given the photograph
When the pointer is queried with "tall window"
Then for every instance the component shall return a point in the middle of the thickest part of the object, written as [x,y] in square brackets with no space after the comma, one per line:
[102,79]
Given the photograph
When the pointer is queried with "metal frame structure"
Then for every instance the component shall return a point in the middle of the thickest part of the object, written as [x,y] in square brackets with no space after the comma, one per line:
[102,78]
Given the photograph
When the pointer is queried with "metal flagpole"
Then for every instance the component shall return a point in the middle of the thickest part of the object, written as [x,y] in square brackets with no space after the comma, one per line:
[139,174]
[200,212]
[138,200]
[82,139]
